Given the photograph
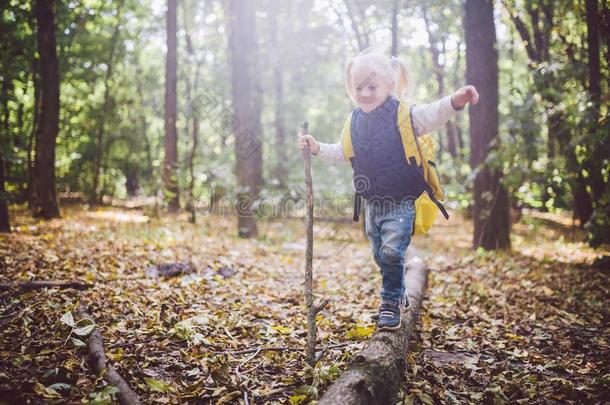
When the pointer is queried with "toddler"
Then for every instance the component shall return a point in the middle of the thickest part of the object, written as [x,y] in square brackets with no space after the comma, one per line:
[382,175]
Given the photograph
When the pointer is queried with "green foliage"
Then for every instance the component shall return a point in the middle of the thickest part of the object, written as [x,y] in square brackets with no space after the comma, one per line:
[551,134]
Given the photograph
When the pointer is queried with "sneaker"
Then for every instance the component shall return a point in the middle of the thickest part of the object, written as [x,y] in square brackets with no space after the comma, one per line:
[405,305]
[389,316]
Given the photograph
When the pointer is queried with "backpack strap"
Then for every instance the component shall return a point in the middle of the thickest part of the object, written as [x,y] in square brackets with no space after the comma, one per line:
[348,154]
[407,134]
[427,187]
[346,139]
[410,144]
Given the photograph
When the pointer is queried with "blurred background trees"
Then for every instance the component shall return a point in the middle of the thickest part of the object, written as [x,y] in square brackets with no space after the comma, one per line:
[86,100]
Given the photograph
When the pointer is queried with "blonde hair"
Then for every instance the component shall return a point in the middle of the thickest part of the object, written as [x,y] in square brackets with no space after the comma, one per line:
[390,69]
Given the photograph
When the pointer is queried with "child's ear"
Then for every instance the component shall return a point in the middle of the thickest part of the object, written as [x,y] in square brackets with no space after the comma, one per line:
[390,87]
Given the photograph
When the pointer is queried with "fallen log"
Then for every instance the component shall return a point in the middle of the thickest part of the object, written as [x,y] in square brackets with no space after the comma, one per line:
[99,363]
[373,377]
[40,284]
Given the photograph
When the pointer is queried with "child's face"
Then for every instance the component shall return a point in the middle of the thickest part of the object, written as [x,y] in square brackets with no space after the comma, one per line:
[370,89]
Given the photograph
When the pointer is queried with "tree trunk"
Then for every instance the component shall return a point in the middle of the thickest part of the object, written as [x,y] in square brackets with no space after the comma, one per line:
[451,138]
[191,91]
[132,181]
[439,70]
[93,197]
[195,144]
[4,143]
[4,97]
[395,28]
[281,171]
[280,132]
[170,165]
[457,79]
[594,165]
[374,376]
[143,130]
[4,217]
[491,213]
[247,129]
[44,166]
[32,136]
[361,37]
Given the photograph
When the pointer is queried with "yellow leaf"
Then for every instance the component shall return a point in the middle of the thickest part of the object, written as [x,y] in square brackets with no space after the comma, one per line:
[158,386]
[360,332]
[297,399]
[284,330]
[116,356]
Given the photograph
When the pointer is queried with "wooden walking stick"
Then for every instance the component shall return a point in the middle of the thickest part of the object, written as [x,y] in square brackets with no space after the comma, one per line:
[312,310]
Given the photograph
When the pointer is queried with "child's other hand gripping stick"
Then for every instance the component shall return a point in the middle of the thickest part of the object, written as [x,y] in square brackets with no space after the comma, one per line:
[314,146]
[463,96]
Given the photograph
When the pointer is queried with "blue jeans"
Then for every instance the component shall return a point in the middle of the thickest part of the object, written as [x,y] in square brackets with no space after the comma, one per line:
[388,227]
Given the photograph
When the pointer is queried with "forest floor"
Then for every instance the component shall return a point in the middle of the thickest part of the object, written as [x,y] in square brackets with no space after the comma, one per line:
[530,326]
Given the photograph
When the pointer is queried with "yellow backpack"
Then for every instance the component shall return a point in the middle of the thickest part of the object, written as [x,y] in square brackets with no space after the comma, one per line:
[422,148]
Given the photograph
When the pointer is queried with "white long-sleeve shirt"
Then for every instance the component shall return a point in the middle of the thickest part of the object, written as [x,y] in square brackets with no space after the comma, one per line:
[426,118]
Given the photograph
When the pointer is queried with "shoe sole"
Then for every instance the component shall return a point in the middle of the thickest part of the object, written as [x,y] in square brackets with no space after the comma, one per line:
[390,328]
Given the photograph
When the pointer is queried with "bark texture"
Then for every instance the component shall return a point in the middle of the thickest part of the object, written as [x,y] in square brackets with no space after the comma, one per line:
[491,212]
[374,376]
[99,363]
[245,123]
[5,225]
[44,166]
[170,165]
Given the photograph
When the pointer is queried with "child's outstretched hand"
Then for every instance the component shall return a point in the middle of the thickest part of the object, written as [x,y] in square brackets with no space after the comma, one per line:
[463,96]
[314,146]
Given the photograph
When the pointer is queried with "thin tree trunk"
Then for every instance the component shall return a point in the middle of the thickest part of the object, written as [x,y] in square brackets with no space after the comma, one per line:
[450,125]
[191,88]
[4,97]
[491,213]
[32,135]
[395,28]
[46,134]
[104,180]
[247,132]
[195,144]
[4,217]
[361,37]
[144,129]
[280,131]
[97,167]
[594,165]
[281,171]
[5,225]
[451,138]
[170,165]
[132,182]
[457,78]
[439,70]
[20,129]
